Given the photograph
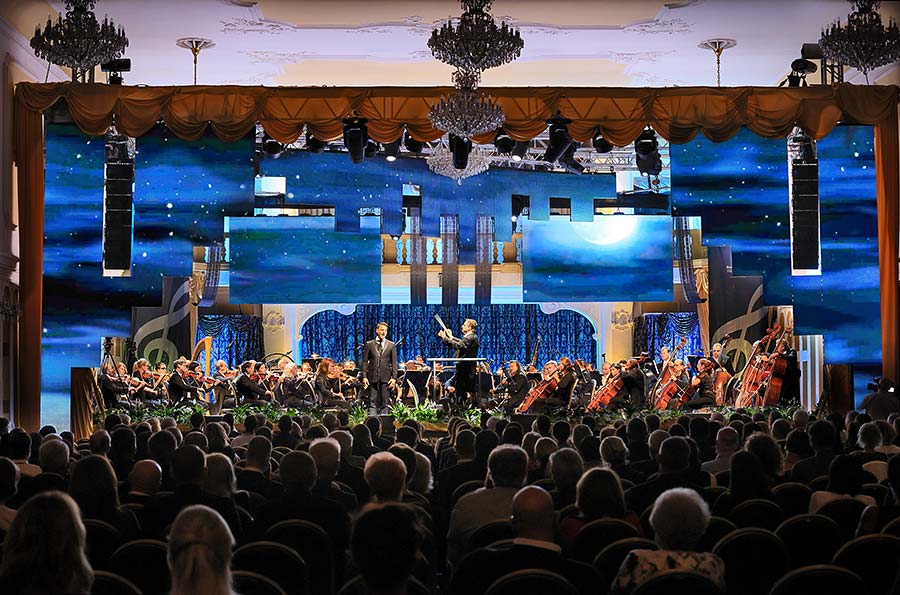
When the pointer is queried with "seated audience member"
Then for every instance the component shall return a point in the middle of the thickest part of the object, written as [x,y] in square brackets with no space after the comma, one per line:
[748,481]
[674,463]
[19,442]
[566,468]
[94,488]
[254,477]
[382,443]
[196,420]
[823,439]
[350,471]
[410,461]
[217,441]
[143,483]
[869,440]
[422,480]
[9,483]
[874,518]
[679,519]
[472,470]
[199,553]
[122,451]
[298,474]
[100,443]
[162,447]
[54,460]
[796,448]
[889,444]
[285,437]
[543,448]
[780,429]
[386,476]
[727,443]
[614,454]
[636,431]
[326,452]
[800,417]
[220,480]
[250,425]
[845,480]
[43,553]
[769,454]
[385,541]
[533,523]
[363,447]
[589,449]
[599,496]
[507,468]
[654,442]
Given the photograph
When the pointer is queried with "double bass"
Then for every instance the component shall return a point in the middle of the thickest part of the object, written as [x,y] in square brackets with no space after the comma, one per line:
[721,377]
[754,378]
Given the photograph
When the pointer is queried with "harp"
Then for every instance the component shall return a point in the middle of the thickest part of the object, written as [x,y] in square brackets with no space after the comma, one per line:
[204,345]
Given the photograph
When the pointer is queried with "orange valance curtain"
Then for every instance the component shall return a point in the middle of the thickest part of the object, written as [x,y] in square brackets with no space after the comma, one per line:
[677,114]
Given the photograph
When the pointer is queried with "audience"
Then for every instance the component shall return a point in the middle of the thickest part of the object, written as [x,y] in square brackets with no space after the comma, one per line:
[144,482]
[566,468]
[824,441]
[386,538]
[9,484]
[748,481]
[93,487]
[599,496]
[199,553]
[845,480]
[727,443]
[614,454]
[674,463]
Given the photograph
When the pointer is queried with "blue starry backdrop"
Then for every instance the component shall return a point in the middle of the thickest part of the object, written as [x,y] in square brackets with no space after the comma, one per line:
[182,191]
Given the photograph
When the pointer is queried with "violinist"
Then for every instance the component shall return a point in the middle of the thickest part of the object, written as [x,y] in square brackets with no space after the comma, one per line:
[114,386]
[294,390]
[325,396]
[161,380]
[249,388]
[350,380]
[180,390]
[516,384]
[704,387]
[224,390]
[145,391]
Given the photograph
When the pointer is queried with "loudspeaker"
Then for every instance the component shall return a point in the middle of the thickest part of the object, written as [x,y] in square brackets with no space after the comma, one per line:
[804,206]
[118,206]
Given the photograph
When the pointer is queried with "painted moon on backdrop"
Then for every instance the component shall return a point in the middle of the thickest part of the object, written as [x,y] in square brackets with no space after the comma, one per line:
[608,229]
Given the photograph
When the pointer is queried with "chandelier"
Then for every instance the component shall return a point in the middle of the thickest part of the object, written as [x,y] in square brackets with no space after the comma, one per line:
[466,113]
[441,163]
[864,42]
[475,42]
[79,41]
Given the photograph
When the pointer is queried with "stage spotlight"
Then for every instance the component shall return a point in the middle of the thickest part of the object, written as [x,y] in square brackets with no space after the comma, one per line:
[504,143]
[314,145]
[560,141]
[646,150]
[411,144]
[569,162]
[272,148]
[356,135]
[371,149]
[460,147]
[799,69]
[391,150]
[601,145]
[520,150]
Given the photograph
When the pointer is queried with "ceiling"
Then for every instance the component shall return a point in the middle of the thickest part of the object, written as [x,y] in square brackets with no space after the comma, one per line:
[383,42]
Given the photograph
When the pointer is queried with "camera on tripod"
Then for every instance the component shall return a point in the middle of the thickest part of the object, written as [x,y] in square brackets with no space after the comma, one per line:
[876,383]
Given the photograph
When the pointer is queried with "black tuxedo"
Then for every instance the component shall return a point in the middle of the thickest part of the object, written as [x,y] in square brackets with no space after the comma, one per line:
[379,367]
[180,392]
[725,362]
[249,391]
[295,392]
[517,388]
[112,389]
[467,346]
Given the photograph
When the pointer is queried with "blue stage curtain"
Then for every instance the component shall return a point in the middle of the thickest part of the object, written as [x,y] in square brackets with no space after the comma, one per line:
[652,331]
[505,332]
[235,337]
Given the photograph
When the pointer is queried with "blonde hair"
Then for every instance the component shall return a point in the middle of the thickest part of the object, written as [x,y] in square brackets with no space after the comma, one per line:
[220,480]
[200,553]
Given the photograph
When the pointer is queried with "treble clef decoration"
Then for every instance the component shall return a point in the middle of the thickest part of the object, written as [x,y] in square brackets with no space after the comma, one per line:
[161,348]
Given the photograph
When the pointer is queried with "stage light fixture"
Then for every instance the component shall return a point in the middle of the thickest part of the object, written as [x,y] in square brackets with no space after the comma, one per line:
[272,148]
[560,141]
[568,161]
[799,69]
[356,136]
[646,151]
[391,150]
[314,145]
[460,147]
[520,150]
[504,143]
[371,149]
[601,145]
[411,144]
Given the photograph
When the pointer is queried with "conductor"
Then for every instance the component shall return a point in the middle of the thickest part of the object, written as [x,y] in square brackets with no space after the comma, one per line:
[464,384]
[379,367]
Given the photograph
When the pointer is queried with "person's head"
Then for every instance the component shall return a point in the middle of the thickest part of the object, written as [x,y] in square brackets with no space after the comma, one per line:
[422,479]
[469,325]
[566,468]
[386,476]
[374,425]
[485,442]
[822,437]
[324,366]
[198,439]
[407,435]
[654,442]
[298,471]
[869,436]
[652,422]
[846,475]
[161,448]
[748,477]
[43,552]
[381,330]
[189,465]
[636,430]
[664,353]
[674,455]
[93,486]
[196,420]
[123,443]
[199,557]
[532,514]
[316,431]
[407,455]
[613,451]
[326,452]
[543,448]
[797,443]
[800,418]
[589,449]
[599,494]
[512,434]
[780,429]
[508,467]
[99,442]
[250,424]
[145,477]
[259,450]
[465,444]
[384,544]
[541,425]
[679,519]
[220,480]
[727,441]
[9,479]
[216,437]
[768,452]
[560,432]
[54,457]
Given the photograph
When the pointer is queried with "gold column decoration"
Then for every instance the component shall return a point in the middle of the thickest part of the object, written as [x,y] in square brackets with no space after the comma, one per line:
[701,278]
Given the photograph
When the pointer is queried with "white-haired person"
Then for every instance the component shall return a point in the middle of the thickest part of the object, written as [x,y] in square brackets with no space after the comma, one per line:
[679,519]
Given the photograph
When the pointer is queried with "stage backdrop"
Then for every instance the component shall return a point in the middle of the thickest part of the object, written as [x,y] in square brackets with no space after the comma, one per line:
[236,337]
[505,332]
[652,331]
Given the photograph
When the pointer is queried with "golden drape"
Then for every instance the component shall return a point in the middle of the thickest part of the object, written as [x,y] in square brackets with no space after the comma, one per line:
[677,114]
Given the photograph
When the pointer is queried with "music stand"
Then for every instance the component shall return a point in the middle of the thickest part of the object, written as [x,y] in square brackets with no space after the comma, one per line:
[449,363]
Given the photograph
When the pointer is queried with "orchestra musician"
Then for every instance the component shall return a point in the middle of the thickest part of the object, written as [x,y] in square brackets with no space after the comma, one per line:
[294,390]
[622,399]
[465,383]
[114,386]
[224,390]
[606,373]
[325,395]
[721,359]
[664,355]
[144,391]
[516,384]
[180,391]
[162,382]
[248,386]
[705,390]
[549,369]
[379,366]
[566,374]
[633,381]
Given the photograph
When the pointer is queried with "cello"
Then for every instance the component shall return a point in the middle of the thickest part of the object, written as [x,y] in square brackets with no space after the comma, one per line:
[601,396]
[666,375]
[755,374]
[541,390]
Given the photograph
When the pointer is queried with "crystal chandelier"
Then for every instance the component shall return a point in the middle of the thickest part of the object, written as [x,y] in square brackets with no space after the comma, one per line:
[79,41]
[441,163]
[864,42]
[466,113]
[475,42]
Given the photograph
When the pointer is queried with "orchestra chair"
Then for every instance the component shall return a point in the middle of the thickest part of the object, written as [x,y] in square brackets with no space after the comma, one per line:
[821,579]
[596,535]
[878,491]
[877,468]
[532,581]
[810,539]
[678,581]
[144,563]
[874,558]
[717,528]
[754,559]
[276,561]
[463,489]
[313,545]
[251,583]
[819,483]
[488,534]
[357,586]
[758,512]
[107,583]
[793,497]
[610,558]
[845,512]
[892,528]
[101,540]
